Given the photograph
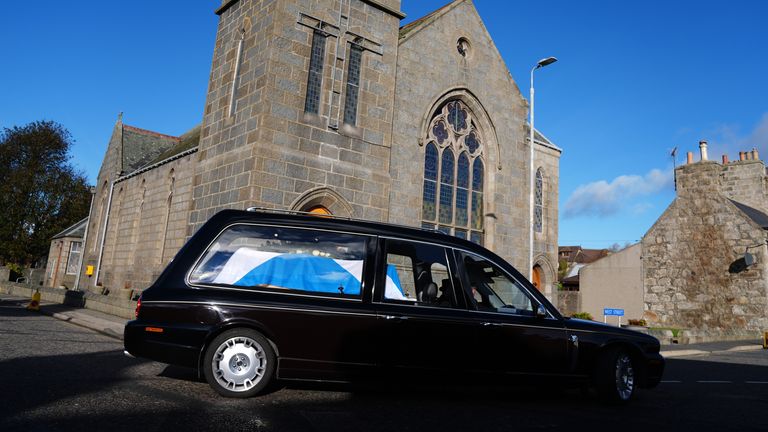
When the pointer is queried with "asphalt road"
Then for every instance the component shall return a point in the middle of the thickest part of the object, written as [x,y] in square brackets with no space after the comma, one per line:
[55,376]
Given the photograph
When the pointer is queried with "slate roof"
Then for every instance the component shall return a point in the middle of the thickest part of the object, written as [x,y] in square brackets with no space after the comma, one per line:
[188,141]
[539,138]
[582,256]
[141,147]
[76,230]
[756,215]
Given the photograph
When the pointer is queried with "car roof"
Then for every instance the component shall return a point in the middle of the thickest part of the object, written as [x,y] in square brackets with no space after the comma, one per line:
[230,216]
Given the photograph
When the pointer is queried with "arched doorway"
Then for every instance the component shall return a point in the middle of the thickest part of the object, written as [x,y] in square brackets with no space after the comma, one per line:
[537,273]
[319,210]
[323,201]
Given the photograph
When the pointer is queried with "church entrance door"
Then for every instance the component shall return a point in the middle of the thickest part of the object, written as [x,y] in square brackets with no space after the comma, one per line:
[319,211]
[537,277]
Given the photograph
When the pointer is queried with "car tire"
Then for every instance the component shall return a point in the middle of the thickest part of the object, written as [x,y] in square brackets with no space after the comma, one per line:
[239,363]
[615,376]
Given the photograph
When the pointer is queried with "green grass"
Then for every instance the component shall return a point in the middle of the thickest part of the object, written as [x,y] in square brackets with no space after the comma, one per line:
[675,331]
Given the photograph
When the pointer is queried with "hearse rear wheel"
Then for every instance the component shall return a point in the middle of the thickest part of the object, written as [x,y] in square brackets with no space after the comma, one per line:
[239,363]
[615,376]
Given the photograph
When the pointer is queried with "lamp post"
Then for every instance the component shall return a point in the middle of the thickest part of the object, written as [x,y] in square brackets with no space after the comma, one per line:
[543,62]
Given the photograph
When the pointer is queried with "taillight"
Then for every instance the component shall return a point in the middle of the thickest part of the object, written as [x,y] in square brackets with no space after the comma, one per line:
[138,307]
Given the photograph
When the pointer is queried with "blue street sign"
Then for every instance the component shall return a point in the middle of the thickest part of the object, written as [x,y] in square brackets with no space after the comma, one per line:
[614,312]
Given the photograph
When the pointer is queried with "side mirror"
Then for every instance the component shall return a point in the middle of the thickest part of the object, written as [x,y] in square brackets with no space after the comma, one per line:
[541,312]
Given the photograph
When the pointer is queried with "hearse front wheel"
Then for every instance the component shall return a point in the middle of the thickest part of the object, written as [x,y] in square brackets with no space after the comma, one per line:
[615,376]
[239,363]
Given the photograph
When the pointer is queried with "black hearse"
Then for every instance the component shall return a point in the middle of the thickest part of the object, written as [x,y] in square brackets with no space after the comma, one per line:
[256,296]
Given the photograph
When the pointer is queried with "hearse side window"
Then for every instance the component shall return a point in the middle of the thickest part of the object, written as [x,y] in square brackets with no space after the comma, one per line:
[490,289]
[417,274]
[284,259]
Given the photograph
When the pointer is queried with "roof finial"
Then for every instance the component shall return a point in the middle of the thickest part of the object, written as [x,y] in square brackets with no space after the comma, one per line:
[120,117]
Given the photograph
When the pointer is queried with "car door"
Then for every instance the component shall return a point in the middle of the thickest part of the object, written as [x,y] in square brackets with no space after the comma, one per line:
[424,324]
[510,337]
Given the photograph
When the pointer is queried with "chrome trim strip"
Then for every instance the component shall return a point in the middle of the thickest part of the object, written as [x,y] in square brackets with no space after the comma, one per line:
[252,306]
[289,294]
[296,359]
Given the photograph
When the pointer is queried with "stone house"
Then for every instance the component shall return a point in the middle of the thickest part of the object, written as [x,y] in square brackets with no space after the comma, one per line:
[693,268]
[689,271]
[64,256]
[330,106]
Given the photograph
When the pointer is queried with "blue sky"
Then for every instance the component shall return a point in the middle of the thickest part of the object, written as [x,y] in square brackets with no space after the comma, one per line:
[634,80]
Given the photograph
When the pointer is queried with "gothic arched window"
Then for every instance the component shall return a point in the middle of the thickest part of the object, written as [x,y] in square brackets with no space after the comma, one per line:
[452,200]
[538,198]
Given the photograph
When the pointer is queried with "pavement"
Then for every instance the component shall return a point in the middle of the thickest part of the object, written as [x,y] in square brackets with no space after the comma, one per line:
[112,326]
[706,348]
[103,323]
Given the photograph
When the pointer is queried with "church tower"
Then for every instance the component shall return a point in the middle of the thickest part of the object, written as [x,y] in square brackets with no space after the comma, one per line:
[299,109]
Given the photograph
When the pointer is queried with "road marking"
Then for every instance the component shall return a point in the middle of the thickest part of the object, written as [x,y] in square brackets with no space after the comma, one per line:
[712,382]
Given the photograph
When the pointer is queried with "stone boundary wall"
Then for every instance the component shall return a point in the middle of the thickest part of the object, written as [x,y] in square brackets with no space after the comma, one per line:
[123,308]
[567,302]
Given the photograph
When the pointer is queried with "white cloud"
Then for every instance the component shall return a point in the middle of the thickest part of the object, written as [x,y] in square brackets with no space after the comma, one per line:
[602,198]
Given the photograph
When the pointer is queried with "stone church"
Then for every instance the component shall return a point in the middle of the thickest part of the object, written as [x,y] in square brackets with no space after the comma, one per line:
[332,107]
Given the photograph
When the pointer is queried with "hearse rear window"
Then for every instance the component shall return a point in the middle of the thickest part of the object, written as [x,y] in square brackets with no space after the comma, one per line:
[284,259]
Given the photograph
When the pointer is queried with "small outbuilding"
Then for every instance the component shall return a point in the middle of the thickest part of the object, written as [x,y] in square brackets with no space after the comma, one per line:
[64,256]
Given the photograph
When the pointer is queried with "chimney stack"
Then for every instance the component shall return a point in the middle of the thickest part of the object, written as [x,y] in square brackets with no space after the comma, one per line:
[703,149]
[690,158]
[725,159]
[742,156]
[755,156]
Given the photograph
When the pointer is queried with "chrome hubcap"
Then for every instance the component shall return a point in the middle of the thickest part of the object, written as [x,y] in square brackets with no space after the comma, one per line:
[625,377]
[239,364]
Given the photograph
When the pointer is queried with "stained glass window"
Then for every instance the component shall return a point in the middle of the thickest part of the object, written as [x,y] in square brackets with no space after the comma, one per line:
[353,85]
[454,203]
[462,186]
[446,187]
[315,79]
[457,116]
[477,195]
[471,142]
[538,209]
[441,133]
[430,183]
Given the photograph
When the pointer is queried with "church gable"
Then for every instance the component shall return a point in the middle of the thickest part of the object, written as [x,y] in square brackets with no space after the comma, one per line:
[455,43]
[444,57]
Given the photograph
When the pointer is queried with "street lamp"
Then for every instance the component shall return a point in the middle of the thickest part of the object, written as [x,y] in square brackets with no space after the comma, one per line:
[543,62]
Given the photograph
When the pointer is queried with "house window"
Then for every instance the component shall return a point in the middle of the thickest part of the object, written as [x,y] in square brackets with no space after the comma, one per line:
[73,261]
[353,85]
[315,79]
[452,200]
[538,206]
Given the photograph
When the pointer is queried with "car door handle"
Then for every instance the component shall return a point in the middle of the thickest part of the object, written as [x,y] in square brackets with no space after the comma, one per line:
[491,324]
